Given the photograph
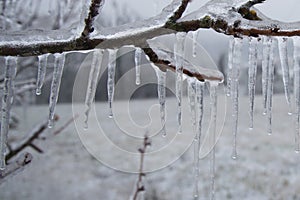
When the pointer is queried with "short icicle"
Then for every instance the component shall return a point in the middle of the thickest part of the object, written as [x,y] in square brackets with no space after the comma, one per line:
[265,69]
[237,48]
[283,54]
[137,60]
[229,74]
[198,109]
[161,91]
[42,67]
[92,83]
[111,79]
[252,71]
[179,58]
[297,92]
[213,99]
[7,100]
[270,82]
[59,62]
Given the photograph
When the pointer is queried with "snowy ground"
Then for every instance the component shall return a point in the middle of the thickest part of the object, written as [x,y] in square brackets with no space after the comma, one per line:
[267,167]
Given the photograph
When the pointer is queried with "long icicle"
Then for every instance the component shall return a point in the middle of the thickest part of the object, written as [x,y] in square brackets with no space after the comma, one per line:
[235,91]
[297,92]
[179,56]
[92,83]
[213,99]
[42,67]
[192,101]
[137,60]
[252,71]
[283,54]
[7,100]
[265,68]
[59,63]
[270,82]
[197,141]
[111,79]
[161,91]
[229,73]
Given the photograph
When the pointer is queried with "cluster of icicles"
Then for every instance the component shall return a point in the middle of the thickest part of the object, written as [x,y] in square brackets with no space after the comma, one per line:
[195,89]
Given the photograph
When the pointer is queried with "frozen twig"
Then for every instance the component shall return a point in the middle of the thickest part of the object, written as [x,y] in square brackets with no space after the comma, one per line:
[15,166]
[139,184]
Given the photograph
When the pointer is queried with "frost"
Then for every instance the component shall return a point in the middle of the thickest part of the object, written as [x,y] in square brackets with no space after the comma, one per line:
[59,63]
[111,79]
[42,67]
[92,82]
[7,100]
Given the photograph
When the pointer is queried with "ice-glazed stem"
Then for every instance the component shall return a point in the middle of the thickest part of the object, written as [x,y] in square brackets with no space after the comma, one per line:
[297,91]
[179,57]
[161,91]
[252,71]
[283,54]
[265,69]
[229,72]
[237,48]
[111,79]
[270,81]
[42,67]
[213,100]
[7,100]
[92,83]
[198,109]
[59,62]
[137,60]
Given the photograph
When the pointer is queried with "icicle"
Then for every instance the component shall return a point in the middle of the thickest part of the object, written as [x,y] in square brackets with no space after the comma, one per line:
[297,92]
[137,59]
[161,90]
[179,56]
[111,79]
[230,54]
[252,77]
[270,81]
[213,99]
[195,36]
[92,83]
[198,93]
[283,53]
[59,63]
[236,60]
[43,60]
[265,68]
[7,100]
[192,101]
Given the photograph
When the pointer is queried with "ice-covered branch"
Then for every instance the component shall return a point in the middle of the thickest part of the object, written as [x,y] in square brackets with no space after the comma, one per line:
[15,166]
[28,141]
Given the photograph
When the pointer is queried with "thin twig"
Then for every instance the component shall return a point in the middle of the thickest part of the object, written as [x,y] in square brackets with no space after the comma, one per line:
[60,129]
[139,184]
[28,141]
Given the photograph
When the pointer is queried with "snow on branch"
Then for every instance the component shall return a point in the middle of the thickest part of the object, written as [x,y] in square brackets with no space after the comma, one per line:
[230,17]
